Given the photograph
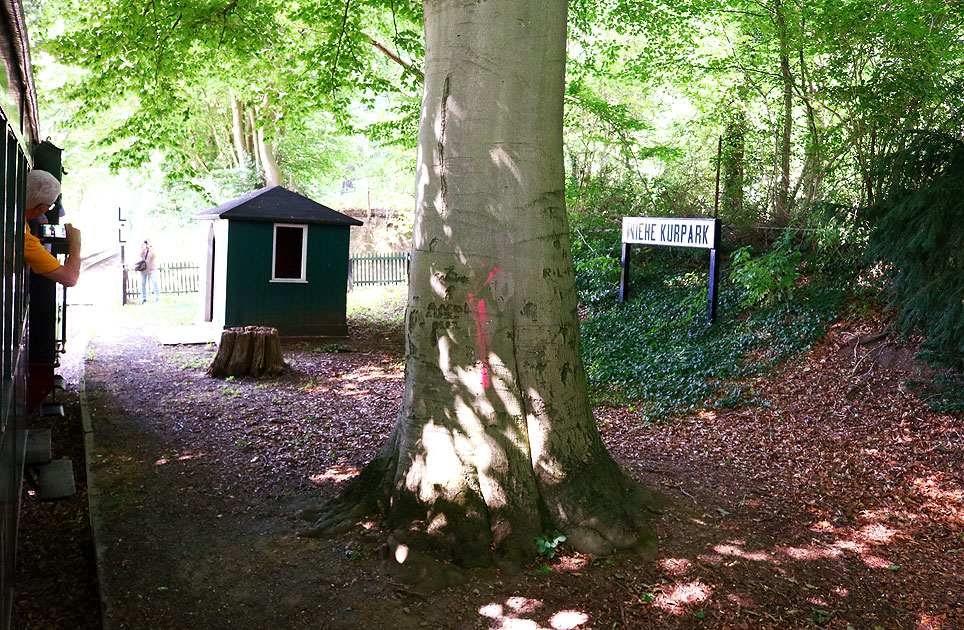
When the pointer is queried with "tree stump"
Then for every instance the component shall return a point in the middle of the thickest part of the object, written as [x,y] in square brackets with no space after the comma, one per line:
[248,351]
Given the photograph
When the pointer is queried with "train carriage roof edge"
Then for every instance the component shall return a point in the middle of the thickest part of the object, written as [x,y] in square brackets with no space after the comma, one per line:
[18,98]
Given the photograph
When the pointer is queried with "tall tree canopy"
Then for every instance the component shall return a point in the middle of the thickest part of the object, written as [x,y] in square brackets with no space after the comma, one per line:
[221,83]
[805,96]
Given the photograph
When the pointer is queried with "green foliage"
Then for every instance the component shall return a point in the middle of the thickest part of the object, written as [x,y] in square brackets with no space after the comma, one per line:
[820,616]
[546,545]
[769,278]
[165,77]
[917,231]
[949,397]
[659,350]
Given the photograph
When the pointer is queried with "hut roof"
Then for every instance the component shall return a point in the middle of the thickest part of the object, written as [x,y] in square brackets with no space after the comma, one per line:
[277,204]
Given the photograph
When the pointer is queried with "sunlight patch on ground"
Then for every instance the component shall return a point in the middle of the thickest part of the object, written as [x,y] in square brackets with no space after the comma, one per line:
[676,566]
[676,597]
[932,622]
[336,473]
[733,550]
[372,372]
[569,564]
[508,616]
[949,501]
[568,620]
[876,534]
[185,456]
[876,562]
[523,604]
[811,552]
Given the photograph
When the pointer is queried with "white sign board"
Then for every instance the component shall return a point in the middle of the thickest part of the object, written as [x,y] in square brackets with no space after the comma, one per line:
[675,232]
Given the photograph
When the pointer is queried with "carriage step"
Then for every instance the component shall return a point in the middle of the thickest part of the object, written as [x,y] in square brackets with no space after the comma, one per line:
[52,409]
[54,480]
[59,382]
[38,451]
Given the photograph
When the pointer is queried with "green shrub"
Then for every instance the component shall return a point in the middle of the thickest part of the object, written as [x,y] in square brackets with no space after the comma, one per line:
[768,278]
[654,350]
[917,231]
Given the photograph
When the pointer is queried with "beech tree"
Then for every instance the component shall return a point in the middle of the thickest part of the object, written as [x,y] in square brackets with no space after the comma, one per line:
[495,442]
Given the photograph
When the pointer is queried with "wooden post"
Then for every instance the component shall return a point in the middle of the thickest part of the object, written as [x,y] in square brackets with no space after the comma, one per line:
[248,351]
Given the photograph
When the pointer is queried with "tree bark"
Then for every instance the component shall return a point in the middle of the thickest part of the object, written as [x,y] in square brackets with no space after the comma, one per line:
[252,139]
[495,442]
[238,130]
[272,172]
[248,351]
[781,211]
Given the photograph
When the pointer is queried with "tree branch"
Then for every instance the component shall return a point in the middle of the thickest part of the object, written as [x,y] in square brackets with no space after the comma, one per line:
[394,57]
[341,37]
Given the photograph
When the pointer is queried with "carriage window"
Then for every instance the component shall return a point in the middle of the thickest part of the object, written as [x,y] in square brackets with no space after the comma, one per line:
[290,247]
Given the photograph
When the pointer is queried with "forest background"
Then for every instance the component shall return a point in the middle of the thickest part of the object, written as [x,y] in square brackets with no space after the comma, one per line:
[825,135]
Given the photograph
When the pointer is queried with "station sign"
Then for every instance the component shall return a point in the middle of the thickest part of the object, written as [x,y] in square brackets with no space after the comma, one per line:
[673,232]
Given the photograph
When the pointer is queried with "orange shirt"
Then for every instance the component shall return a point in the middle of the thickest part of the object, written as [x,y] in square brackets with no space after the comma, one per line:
[35,255]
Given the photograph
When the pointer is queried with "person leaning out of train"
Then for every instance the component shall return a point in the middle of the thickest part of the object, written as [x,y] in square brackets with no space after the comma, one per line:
[42,191]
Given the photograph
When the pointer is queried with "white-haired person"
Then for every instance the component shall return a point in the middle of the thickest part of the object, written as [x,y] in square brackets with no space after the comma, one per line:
[42,191]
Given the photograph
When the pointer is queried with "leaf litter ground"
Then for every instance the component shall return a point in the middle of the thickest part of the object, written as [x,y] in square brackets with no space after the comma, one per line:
[834,500]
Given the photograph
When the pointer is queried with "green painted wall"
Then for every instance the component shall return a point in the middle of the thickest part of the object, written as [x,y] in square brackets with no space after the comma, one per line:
[316,307]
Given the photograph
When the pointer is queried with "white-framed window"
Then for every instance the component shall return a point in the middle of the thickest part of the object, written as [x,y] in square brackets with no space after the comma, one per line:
[289,253]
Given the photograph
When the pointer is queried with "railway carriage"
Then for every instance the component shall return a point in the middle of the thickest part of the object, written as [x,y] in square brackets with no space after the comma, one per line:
[31,305]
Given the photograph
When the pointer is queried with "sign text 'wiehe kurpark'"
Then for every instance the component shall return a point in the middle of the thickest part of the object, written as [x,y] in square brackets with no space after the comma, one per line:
[703,233]
[675,232]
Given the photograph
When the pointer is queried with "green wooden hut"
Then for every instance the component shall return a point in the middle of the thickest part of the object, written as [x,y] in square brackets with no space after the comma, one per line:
[276,258]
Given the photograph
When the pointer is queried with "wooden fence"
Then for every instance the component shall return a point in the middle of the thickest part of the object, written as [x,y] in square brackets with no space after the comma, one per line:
[375,269]
[175,278]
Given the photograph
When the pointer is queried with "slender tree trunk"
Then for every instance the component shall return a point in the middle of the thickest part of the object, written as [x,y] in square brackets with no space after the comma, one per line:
[734,166]
[272,173]
[496,442]
[251,139]
[781,214]
[217,141]
[237,119]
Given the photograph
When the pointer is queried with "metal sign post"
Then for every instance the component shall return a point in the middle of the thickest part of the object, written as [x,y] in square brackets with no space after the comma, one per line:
[122,239]
[701,233]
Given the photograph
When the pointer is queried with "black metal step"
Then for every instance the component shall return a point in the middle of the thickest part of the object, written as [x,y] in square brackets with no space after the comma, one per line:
[52,409]
[54,480]
[59,382]
[38,449]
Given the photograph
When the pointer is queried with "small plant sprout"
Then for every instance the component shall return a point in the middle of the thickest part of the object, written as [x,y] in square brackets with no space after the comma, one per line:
[546,545]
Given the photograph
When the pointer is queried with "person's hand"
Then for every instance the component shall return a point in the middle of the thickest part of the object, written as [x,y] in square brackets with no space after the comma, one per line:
[73,234]
[73,239]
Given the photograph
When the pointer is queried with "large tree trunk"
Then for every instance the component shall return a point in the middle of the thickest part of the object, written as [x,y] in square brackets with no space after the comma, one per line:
[496,442]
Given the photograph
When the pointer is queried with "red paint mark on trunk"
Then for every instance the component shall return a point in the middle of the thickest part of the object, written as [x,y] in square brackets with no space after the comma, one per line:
[481,339]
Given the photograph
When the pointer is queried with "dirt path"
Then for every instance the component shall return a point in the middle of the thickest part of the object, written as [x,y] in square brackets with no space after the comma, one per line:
[834,501]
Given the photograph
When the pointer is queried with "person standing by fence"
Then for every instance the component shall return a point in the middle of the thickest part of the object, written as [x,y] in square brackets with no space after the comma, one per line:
[148,268]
